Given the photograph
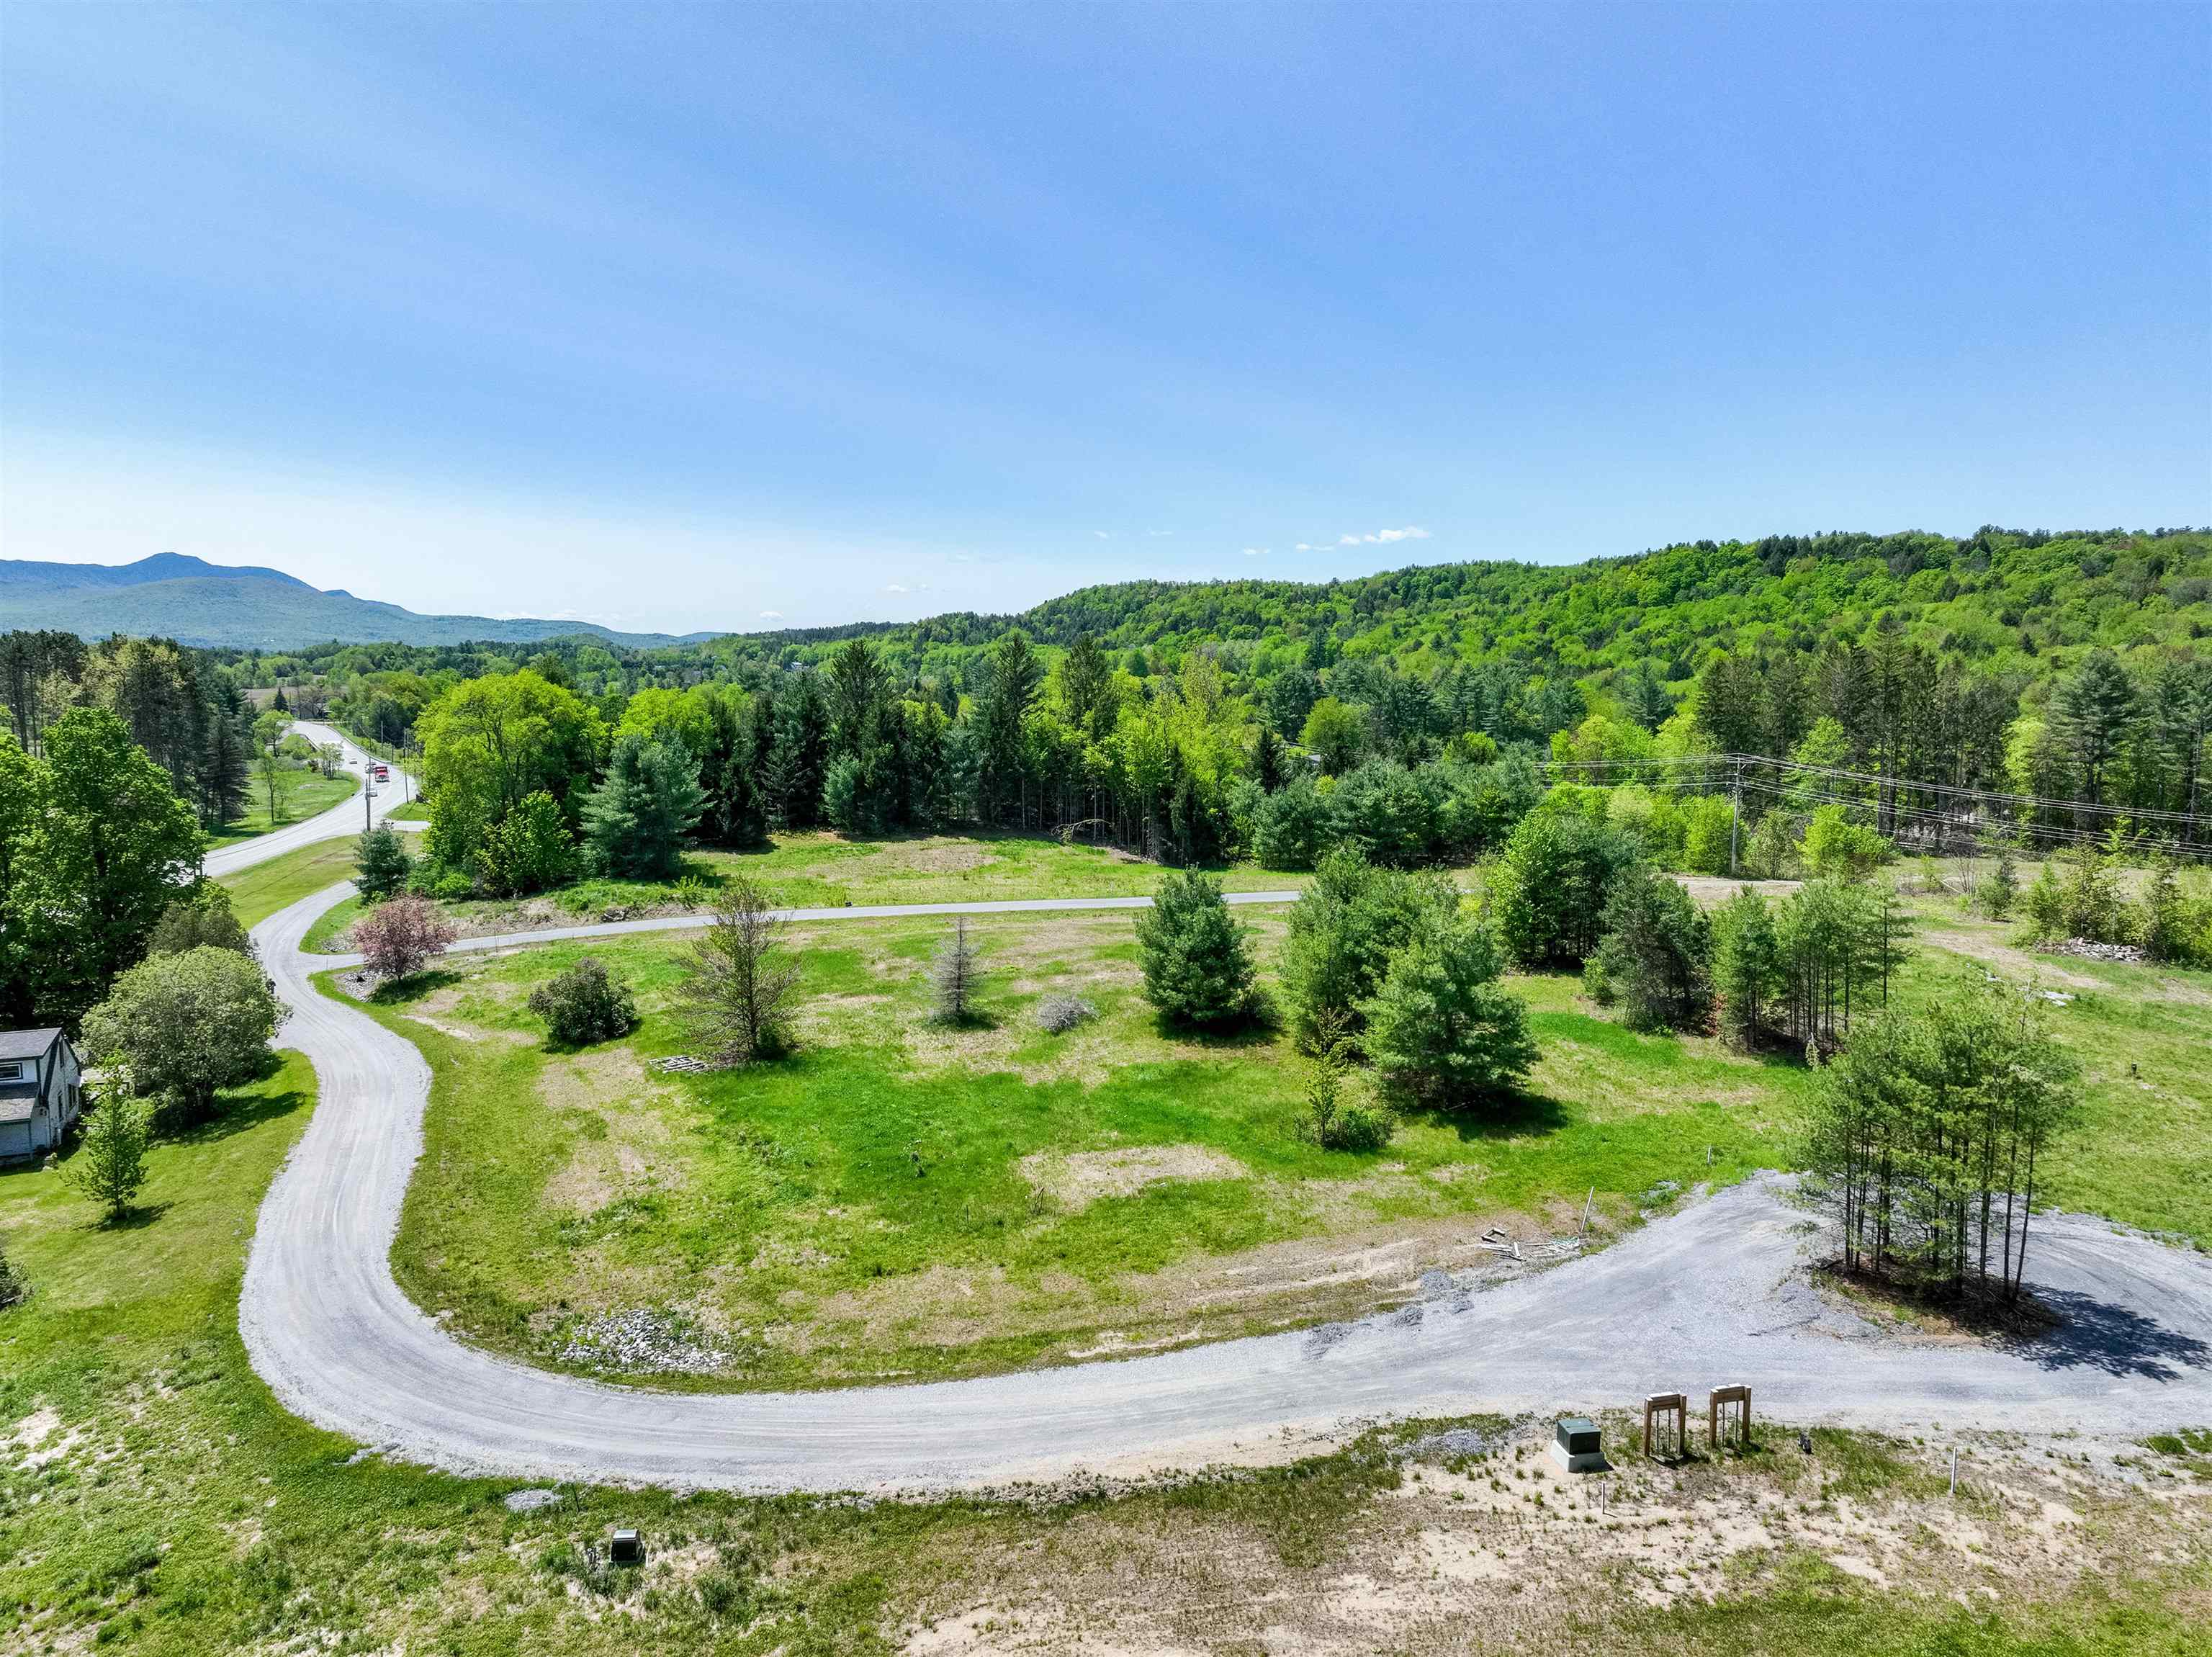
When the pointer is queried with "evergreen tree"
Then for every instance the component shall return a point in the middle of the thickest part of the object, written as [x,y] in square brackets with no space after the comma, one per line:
[1353,919]
[1551,887]
[635,821]
[110,1163]
[1014,673]
[798,755]
[381,865]
[956,976]
[1197,961]
[1655,953]
[1442,1031]
[2000,888]
[2091,710]
[1747,969]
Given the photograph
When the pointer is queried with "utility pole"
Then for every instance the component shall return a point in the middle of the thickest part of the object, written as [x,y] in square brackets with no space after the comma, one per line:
[1735,812]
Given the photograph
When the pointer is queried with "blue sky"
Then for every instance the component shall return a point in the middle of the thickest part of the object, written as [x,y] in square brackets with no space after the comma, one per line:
[720,316]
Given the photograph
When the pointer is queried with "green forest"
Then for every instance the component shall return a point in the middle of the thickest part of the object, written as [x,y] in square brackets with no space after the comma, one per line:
[1793,705]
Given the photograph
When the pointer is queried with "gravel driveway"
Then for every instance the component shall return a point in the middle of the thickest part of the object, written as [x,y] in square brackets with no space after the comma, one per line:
[1712,1295]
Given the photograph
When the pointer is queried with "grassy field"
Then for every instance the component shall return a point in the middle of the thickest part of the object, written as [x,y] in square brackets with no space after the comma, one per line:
[258,893]
[300,794]
[154,1498]
[818,870]
[902,1200]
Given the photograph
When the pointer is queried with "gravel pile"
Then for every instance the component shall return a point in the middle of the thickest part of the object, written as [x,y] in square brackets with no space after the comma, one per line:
[686,1063]
[640,1340]
[2090,950]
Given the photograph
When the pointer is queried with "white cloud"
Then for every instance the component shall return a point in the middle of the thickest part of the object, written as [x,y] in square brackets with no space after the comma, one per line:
[1303,547]
[771,615]
[894,587]
[1384,537]
[1255,552]
[1101,535]
[1158,533]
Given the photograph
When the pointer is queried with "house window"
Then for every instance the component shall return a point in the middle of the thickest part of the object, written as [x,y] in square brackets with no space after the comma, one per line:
[11,1069]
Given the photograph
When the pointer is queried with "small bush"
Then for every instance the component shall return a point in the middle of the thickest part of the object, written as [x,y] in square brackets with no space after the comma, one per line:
[1360,1128]
[381,864]
[14,1288]
[1058,1014]
[585,1004]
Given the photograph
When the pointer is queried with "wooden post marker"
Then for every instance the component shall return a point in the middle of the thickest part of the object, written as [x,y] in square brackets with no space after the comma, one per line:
[1657,1438]
[1727,1416]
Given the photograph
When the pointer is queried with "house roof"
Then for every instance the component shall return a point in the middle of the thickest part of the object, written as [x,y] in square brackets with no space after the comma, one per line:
[27,1043]
[16,1104]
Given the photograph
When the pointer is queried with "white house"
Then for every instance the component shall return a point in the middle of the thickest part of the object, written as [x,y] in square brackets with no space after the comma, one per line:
[41,1091]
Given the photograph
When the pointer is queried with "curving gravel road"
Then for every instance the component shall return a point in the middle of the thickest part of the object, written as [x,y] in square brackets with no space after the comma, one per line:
[1709,1297]
[343,819]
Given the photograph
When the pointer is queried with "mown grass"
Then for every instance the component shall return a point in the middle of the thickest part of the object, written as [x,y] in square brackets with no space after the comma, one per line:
[258,893]
[817,869]
[171,1507]
[300,794]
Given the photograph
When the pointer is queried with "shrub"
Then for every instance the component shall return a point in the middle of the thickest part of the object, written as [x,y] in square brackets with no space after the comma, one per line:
[1353,919]
[1709,836]
[585,1004]
[1197,961]
[401,936]
[15,1288]
[1999,889]
[1058,1014]
[529,849]
[382,864]
[1836,848]
[184,1026]
[1441,1030]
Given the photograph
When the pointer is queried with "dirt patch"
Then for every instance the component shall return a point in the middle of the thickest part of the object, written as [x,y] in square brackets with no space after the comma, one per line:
[1077,1179]
[625,1153]
[1980,946]
[1457,1555]
[931,856]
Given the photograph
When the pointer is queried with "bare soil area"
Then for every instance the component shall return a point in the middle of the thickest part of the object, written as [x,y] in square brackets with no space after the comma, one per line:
[1470,1548]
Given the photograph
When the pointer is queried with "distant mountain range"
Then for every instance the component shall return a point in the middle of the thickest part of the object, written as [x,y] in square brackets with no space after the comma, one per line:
[245,607]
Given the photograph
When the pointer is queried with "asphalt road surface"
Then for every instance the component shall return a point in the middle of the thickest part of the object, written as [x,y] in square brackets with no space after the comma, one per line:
[1709,1297]
[345,817]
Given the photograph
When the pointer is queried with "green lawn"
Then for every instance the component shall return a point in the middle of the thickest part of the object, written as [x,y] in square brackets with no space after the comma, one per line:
[300,794]
[258,893]
[155,1498]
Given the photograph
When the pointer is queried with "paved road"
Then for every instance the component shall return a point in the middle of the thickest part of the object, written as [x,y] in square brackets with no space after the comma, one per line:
[343,819]
[1708,1297]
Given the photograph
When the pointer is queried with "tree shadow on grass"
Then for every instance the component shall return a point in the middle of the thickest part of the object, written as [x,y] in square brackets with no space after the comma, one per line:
[399,992]
[136,1218]
[1505,1115]
[239,1115]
